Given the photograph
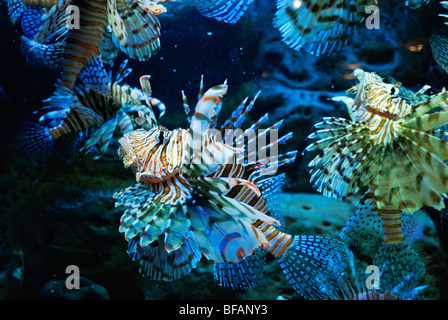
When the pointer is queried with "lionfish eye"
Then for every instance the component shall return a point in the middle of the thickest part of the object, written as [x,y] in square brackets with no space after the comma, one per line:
[161,137]
[392,90]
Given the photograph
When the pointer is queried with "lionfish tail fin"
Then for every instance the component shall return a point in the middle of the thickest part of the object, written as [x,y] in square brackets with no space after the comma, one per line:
[35,140]
[398,261]
[313,265]
[365,225]
[242,275]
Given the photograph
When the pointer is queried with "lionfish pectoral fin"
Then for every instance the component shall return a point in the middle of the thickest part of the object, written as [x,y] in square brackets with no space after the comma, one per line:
[35,139]
[242,275]
[136,29]
[95,76]
[365,225]
[349,103]
[430,103]
[150,119]
[157,264]
[313,266]
[398,260]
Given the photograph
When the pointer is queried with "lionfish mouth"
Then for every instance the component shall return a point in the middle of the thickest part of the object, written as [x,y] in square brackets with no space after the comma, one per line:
[126,152]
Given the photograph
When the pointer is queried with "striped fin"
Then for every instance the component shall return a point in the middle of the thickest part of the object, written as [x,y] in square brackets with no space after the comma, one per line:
[125,123]
[414,4]
[313,265]
[35,139]
[108,49]
[439,45]
[94,75]
[353,286]
[208,108]
[430,103]
[42,55]
[416,174]
[31,21]
[157,264]
[271,188]
[54,27]
[82,45]
[365,225]
[242,275]
[122,72]
[187,109]
[427,122]
[150,117]
[16,8]
[346,151]
[103,136]
[320,27]
[151,215]
[398,262]
[223,237]
[229,11]
[135,26]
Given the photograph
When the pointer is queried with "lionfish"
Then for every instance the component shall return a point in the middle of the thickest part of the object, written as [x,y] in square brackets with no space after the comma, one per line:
[319,27]
[94,114]
[205,197]
[136,31]
[392,148]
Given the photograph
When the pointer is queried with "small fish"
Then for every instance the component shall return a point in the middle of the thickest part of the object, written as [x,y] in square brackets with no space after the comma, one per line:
[319,27]
[391,147]
[191,200]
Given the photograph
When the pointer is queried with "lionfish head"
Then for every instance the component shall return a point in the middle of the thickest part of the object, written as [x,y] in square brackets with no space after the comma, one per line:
[145,152]
[376,93]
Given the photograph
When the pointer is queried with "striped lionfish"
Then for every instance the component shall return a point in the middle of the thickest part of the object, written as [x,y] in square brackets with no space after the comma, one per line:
[319,27]
[100,115]
[212,200]
[134,25]
[392,148]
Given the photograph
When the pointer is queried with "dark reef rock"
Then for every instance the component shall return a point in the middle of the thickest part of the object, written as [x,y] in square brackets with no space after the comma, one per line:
[57,290]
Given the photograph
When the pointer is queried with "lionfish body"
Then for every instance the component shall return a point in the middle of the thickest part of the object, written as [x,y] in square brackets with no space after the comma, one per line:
[207,198]
[134,25]
[390,147]
[94,113]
